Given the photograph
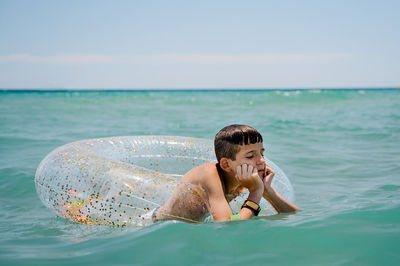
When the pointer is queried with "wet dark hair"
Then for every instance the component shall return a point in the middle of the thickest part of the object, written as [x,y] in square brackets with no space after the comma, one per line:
[228,140]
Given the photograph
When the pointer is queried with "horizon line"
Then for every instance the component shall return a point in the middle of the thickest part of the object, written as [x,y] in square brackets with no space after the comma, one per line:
[189,89]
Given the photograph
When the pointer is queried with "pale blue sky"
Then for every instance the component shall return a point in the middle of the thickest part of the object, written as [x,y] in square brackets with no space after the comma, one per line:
[199,44]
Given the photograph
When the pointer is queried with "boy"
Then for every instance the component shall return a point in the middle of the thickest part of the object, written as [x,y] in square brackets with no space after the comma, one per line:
[209,187]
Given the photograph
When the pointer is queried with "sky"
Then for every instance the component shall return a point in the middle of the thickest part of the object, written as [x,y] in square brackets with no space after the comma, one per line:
[199,44]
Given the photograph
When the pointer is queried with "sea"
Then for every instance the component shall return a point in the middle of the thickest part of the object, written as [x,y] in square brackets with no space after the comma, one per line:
[339,148]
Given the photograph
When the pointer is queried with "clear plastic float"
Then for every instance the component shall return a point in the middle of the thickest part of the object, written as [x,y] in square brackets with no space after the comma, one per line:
[120,181]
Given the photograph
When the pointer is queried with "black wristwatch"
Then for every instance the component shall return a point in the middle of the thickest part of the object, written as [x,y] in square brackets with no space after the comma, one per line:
[251,205]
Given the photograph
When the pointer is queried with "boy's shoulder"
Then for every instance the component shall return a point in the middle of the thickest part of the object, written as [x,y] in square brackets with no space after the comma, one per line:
[202,174]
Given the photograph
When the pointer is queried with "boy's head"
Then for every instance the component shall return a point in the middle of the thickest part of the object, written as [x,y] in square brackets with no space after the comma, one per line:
[228,140]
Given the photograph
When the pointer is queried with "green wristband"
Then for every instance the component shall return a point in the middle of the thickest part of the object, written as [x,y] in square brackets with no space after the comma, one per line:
[235,217]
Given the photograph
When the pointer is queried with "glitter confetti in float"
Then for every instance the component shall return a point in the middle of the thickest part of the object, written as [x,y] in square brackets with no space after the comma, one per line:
[121,180]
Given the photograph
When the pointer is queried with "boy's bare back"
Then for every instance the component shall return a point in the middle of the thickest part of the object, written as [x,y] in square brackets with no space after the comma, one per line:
[190,199]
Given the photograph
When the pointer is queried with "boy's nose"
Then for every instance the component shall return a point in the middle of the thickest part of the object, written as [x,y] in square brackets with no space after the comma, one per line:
[260,159]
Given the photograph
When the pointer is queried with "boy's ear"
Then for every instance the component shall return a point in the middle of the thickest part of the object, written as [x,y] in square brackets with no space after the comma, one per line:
[225,164]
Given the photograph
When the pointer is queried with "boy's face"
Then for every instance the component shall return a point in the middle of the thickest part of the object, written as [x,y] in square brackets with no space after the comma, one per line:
[252,154]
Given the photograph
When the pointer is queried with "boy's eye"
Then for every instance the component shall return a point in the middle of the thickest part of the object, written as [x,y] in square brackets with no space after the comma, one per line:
[249,157]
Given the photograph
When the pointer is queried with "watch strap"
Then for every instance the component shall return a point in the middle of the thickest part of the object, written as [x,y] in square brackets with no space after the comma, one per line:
[251,205]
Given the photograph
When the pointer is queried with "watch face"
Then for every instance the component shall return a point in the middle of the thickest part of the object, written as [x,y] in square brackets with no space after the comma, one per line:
[252,205]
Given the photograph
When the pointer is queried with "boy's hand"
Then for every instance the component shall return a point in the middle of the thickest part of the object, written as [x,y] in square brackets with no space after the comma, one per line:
[268,176]
[248,177]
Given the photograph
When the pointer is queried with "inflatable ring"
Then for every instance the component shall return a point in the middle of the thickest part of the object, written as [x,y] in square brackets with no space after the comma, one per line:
[121,180]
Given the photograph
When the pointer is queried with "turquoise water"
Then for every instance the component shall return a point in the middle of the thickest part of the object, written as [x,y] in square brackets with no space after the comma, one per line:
[340,148]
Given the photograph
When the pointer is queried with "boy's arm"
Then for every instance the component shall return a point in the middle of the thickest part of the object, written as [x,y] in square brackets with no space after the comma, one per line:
[221,211]
[275,199]
[219,207]
[247,176]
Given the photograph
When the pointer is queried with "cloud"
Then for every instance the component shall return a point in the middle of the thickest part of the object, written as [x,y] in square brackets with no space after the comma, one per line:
[248,58]
[58,59]
[261,58]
